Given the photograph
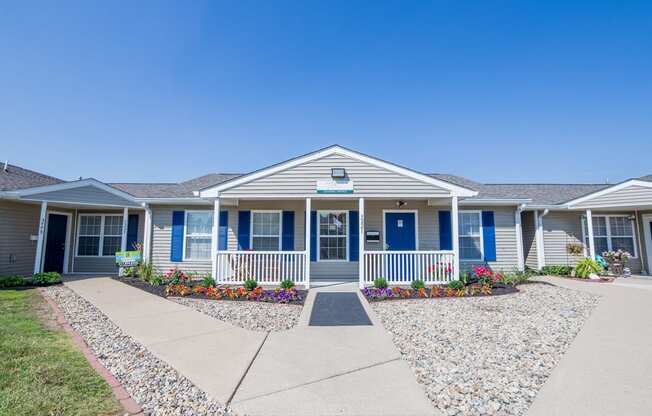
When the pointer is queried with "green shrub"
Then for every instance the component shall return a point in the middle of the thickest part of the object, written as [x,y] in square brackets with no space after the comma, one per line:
[250,284]
[12,281]
[380,283]
[208,281]
[418,284]
[145,271]
[585,267]
[156,280]
[517,277]
[456,284]
[46,278]
[556,270]
[287,284]
[129,272]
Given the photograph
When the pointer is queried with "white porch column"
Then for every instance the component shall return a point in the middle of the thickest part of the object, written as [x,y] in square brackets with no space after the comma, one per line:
[519,238]
[147,235]
[308,225]
[456,238]
[589,226]
[538,235]
[361,238]
[215,246]
[125,225]
[41,237]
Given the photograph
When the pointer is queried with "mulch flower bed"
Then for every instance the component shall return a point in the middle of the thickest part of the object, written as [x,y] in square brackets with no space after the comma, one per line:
[194,290]
[434,292]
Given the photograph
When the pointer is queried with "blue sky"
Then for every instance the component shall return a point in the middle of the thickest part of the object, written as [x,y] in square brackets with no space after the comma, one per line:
[497,91]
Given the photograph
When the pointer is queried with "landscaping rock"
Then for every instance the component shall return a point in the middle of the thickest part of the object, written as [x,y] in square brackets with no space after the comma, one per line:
[486,355]
[156,386]
[255,316]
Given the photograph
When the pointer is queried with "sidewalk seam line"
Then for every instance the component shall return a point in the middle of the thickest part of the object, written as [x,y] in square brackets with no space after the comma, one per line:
[320,380]
[235,390]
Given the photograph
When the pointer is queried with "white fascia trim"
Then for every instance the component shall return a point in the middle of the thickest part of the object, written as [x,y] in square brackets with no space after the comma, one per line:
[622,185]
[213,192]
[490,201]
[174,201]
[76,184]
[84,204]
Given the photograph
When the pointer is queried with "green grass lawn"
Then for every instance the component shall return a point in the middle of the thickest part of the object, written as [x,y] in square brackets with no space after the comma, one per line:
[41,370]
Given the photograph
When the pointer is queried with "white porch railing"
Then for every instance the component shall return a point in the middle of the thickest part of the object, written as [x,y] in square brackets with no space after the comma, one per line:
[266,267]
[403,267]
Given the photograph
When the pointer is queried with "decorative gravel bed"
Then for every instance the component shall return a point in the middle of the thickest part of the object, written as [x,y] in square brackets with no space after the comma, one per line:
[486,355]
[156,386]
[256,316]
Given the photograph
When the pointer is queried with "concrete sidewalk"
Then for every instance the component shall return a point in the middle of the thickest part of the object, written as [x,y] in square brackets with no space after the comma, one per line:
[213,354]
[353,370]
[321,370]
[607,370]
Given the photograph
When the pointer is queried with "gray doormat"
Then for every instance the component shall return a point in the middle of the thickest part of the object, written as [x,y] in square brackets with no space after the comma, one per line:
[338,309]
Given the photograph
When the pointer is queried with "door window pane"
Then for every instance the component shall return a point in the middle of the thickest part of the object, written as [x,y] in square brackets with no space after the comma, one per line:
[332,235]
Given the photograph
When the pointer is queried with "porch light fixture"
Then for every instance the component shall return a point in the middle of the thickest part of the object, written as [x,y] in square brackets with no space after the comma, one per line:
[401,204]
[338,173]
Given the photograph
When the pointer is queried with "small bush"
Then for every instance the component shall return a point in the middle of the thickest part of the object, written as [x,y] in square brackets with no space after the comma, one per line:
[46,278]
[586,267]
[207,282]
[380,283]
[250,284]
[287,284]
[557,270]
[156,280]
[129,272]
[418,284]
[456,285]
[12,281]
[145,271]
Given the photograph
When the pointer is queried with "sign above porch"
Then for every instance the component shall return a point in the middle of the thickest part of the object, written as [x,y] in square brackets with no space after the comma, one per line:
[331,186]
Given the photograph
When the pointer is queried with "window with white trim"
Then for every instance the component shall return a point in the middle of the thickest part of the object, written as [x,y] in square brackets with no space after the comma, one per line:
[266,230]
[611,232]
[99,235]
[198,235]
[333,235]
[470,233]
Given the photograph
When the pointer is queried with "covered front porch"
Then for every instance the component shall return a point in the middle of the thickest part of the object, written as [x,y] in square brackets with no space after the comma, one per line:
[315,241]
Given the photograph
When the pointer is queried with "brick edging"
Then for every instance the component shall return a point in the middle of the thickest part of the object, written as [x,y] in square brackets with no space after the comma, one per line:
[119,392]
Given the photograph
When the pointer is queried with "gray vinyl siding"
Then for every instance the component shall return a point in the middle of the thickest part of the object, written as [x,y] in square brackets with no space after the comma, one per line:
[367,180]
[86,194]
[162,238]
[99,264]
[632,195]
[561,228]
[17,223]
[529,239]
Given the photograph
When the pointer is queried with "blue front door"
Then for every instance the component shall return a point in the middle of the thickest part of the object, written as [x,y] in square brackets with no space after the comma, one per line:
[400,231]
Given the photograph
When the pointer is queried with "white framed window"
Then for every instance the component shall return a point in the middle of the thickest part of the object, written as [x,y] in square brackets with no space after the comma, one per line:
[266,230]
[333,235]
[611,232]
[198,235]
[99,235]
[470,233]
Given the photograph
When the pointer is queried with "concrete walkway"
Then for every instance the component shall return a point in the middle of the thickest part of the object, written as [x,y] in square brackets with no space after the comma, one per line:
[338,370]
[608,368]
[353,370]
[214,355]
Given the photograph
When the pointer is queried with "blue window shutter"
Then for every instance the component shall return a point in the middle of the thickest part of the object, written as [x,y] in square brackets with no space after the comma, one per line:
[132,231]
[288,231]
[489,235]
[223,231]
[176,248]
[244,225]
[313,236]
[445,231]
[354,236]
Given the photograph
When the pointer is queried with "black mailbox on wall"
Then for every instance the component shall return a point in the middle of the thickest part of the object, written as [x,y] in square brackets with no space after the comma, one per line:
[372,236]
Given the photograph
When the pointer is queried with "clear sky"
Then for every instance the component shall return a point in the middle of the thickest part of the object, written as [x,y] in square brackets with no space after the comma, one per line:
[497,91]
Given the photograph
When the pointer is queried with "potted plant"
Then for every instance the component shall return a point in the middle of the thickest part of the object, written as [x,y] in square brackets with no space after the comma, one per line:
[617,260]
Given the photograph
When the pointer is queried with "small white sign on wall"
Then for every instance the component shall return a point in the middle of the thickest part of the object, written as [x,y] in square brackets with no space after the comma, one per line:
[330,186]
